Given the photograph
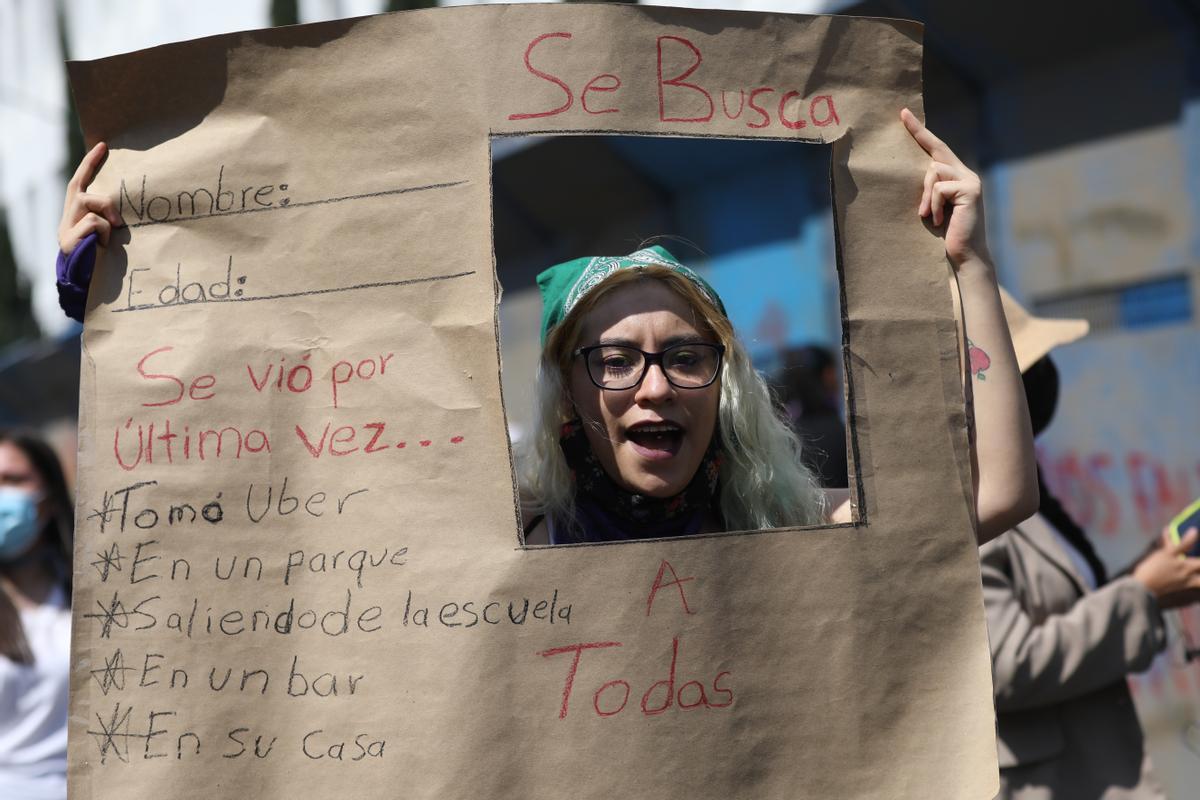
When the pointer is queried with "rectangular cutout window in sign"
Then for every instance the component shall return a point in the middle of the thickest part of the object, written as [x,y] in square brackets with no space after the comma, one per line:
[752,220]
[300,563]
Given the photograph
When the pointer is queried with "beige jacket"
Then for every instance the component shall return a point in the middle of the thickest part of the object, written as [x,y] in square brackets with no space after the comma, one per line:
[1060,654]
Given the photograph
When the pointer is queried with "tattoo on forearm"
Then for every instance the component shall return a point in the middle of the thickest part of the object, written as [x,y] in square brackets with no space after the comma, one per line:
[980,360]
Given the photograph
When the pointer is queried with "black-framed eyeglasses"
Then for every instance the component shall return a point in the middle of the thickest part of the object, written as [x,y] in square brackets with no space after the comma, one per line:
[692,365]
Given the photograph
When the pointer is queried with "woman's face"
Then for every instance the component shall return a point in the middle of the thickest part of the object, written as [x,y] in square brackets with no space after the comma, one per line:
[17,474]
[17,471]
[651,438]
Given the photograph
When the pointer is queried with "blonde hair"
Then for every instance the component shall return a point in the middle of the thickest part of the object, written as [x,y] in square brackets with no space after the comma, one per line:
[763,483]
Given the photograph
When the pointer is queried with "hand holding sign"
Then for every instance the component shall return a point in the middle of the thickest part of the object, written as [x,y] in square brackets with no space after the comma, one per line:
[246,609]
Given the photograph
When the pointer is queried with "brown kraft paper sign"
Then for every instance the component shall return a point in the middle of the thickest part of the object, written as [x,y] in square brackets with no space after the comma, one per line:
[299,569]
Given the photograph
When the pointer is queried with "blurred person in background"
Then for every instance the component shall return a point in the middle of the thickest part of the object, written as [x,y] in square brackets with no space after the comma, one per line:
[1063,635]
[811,394]
[35,619]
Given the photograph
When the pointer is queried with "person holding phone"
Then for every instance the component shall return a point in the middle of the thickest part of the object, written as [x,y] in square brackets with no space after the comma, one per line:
[1063,635]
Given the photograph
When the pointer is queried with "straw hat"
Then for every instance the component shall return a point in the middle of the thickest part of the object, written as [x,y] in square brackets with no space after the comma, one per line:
[1034,337]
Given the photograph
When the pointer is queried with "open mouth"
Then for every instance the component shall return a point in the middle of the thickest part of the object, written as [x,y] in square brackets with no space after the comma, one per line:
[656,440]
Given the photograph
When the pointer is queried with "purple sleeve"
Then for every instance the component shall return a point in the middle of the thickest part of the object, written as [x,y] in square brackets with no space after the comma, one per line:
[75,276]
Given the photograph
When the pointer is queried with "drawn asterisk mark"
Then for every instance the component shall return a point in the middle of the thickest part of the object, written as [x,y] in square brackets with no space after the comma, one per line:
[112,674]
[113,736]
[108,560]
[114,614]
[105,513]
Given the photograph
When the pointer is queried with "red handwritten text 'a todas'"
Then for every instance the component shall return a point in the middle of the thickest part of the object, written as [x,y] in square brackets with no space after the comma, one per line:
[675,690]
[682,97]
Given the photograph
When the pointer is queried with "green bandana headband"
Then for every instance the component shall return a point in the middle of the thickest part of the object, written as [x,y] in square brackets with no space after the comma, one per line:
[564,285]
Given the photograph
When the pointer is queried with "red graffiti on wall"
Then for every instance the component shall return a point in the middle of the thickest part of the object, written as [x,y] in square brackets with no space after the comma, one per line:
[1159,490]
[1115,493]
[1107,492]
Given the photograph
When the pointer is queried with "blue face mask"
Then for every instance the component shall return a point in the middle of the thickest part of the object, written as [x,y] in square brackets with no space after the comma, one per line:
[18,522]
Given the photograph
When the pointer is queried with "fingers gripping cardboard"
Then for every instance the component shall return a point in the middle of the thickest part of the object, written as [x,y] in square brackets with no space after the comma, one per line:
[299,572]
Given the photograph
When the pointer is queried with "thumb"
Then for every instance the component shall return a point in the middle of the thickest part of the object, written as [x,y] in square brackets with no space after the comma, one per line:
[1187,542]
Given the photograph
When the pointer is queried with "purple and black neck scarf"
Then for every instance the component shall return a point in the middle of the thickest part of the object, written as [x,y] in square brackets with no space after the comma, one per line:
[604,512]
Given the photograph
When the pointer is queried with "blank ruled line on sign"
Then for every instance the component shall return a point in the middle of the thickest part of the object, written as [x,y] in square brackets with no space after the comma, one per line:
[281,206]
[240,298]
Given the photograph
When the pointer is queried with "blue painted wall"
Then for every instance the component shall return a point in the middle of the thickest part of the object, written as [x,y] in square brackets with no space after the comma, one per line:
[761,215]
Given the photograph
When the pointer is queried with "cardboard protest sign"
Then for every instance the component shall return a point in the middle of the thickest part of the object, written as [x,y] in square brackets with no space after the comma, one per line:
[299,569]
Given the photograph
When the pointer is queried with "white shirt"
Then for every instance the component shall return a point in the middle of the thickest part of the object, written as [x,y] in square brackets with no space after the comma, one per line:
[33,707]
